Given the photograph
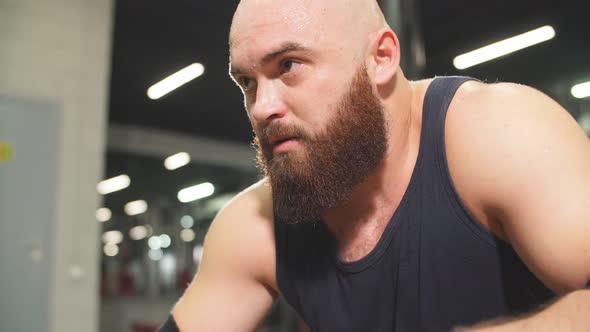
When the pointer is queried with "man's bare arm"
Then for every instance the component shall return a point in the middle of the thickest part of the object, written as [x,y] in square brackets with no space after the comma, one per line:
[523,164]
[234,287]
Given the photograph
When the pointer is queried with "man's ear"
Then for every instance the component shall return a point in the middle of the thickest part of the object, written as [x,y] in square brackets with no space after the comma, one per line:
[385,55]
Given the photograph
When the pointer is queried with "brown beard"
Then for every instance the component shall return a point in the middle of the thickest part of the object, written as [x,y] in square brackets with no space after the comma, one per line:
[326,168]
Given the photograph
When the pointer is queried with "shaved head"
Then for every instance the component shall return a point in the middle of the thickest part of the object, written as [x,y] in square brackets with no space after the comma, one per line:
[348,23]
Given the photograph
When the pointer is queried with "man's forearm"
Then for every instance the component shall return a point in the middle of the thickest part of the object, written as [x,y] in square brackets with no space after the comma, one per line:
[570,313]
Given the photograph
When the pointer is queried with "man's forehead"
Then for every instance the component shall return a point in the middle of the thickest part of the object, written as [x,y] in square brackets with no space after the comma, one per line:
[323,19]
[260,26]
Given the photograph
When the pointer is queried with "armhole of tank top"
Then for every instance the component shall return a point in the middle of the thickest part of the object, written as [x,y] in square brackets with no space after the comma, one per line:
[459,207]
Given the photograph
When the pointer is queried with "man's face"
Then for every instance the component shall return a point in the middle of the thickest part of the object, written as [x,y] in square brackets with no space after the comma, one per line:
[324,169]
[319,127]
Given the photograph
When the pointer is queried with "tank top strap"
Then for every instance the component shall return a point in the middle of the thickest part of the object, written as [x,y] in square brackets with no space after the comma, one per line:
[438,97]
[440,94]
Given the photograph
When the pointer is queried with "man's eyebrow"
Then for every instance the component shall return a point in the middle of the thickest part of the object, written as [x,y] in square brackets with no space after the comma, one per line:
[271,56]
[282,49]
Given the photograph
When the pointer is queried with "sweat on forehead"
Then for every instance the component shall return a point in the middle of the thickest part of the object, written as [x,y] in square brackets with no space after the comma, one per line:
[347,20]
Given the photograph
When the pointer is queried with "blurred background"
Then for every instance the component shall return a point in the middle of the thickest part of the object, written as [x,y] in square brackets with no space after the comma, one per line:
[121,136]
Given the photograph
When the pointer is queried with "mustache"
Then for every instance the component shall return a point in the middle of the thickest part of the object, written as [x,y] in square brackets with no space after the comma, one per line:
[278,129]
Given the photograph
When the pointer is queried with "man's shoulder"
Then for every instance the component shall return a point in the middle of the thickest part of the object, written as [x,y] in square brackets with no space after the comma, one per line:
[248,212]
[254,201]
[496,99]
[488,111]
[491,131]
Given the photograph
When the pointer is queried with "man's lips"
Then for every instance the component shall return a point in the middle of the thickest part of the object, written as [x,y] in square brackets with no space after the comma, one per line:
[283,144]
[276,140]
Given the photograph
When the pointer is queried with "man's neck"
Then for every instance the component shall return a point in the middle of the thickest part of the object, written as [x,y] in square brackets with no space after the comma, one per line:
[357,224]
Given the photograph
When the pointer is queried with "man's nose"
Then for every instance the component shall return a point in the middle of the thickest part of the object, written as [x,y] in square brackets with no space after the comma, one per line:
[269,104]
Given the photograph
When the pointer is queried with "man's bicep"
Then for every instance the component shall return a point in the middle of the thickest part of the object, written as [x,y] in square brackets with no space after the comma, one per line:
[542,190]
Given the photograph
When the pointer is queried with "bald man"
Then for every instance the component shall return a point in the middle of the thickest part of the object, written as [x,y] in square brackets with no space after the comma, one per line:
[386,204]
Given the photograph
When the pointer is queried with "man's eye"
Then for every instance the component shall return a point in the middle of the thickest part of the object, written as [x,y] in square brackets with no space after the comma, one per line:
[288,65]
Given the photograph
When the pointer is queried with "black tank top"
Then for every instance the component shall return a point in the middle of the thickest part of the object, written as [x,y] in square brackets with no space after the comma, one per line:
[434,267]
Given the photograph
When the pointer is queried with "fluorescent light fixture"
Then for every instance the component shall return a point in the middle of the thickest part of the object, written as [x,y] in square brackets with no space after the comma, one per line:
[165,241]
[187,222]
[103,214]
[113,237]
[156,254]
[114,184]
[175,81]
[177,161]
[581,90]
[138,233]
[187,235]
[111,249]
[504,47]
[196,192]
[136,207]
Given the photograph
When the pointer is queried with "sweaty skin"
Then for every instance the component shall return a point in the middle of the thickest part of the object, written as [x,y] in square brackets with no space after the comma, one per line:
[293,60]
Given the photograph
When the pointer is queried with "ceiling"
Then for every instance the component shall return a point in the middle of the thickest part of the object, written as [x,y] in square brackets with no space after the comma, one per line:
[153,39]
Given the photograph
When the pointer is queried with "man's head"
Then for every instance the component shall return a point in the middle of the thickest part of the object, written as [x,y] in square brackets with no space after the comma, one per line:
[312,73]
